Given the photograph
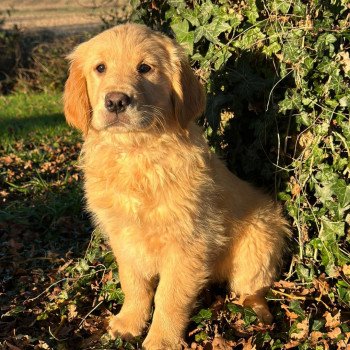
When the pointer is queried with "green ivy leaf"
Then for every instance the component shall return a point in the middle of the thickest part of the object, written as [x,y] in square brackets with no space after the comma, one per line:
[331,230]
[111,291]
[296,307]
[218,26]
[342,191]
[234,308]
[250,39]
[249,316]
[192,16]
[343,289]
[200,337]
[235,20]
[325,192]
[272,49]
[202,316]
[305,273]
[211,31]
[206,12]
[318,325]
[183,35]
[280,6]
[251,12]
[14,311]
[199,33]
[325,41]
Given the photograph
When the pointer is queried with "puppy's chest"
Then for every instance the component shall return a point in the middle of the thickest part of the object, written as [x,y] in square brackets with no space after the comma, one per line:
[140,190]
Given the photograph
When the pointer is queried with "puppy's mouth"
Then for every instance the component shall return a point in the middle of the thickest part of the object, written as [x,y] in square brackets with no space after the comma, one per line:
[115,119]
[125,112]
[143,119]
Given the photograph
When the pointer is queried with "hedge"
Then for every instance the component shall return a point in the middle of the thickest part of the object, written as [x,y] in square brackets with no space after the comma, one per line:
[277,77]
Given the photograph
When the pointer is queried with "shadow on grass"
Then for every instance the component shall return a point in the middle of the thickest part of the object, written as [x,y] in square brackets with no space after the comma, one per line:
[19,127]
[48,225]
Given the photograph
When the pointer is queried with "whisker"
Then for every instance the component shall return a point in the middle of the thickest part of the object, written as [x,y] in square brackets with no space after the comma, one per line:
[157,114]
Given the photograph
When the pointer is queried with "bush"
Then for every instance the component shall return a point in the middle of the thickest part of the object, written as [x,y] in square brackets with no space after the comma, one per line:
[45,67]
[277,77]
[35,61]
[10,56]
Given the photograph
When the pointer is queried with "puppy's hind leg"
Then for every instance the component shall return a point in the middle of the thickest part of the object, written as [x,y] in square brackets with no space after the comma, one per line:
[256,257]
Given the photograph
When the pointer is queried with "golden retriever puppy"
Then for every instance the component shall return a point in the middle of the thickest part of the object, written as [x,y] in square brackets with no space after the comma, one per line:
[174,215]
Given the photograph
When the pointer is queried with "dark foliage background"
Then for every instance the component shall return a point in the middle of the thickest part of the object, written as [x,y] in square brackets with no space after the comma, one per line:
[277,76]
[35,60]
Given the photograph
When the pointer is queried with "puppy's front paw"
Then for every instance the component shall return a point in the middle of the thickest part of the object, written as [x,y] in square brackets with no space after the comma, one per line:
[260,307]
[158,343]
[124,327]
[264,314]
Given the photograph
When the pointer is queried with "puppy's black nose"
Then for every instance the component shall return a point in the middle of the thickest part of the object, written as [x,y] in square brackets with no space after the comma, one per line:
[117,101]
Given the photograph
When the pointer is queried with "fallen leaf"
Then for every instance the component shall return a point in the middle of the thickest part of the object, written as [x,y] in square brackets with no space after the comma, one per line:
[303,330]
[220,343]
[315,336]
[344,60]
[344,343]
[248,345]
[72,312]
[15,245]
[284,284]
[290,314]
[334,333]
[4,193]
[322,285]
[107,277]
[346,270]
[291,344]
[332,321]
[42,345]
[7,160]
[10,346]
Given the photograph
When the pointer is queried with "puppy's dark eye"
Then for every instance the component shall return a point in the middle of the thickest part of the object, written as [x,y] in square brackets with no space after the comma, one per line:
[101,68]
[143,68]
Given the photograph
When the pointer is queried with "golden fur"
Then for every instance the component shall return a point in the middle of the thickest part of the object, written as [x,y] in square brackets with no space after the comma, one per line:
[172,211]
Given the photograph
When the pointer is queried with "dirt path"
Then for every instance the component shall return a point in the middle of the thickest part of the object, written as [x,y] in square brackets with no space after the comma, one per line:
[63,15]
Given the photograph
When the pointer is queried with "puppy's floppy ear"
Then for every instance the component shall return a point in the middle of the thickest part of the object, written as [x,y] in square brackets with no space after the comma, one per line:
[76,101]
[188,93]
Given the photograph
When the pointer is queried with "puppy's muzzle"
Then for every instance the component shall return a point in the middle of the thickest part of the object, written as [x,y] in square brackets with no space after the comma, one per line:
[117,102]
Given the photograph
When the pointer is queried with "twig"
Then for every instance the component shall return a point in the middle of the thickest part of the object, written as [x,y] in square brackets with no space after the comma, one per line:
[89,313]
[62,280]
[296,297]
[289,296]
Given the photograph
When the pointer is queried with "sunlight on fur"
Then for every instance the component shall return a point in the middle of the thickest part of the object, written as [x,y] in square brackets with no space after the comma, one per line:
[170,208]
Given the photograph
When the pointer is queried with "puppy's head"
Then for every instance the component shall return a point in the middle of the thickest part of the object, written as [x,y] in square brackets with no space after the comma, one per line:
[130,78]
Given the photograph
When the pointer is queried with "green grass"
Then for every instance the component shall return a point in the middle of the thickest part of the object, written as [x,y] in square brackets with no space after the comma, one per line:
[30,117]
[38,154]
[38,150]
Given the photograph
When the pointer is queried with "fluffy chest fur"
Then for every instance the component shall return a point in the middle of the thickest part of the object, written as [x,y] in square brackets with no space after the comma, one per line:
[150,188]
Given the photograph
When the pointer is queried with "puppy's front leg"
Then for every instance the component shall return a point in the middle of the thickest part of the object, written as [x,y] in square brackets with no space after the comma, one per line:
[136,308]
[181,279]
